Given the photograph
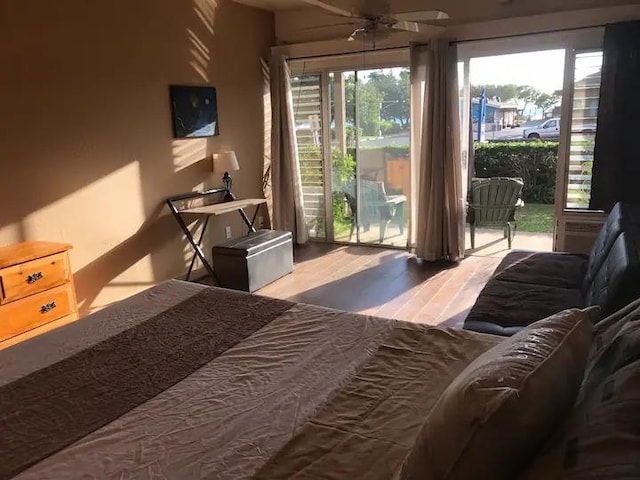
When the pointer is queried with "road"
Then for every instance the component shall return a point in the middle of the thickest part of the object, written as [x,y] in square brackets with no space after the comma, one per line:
[403,138]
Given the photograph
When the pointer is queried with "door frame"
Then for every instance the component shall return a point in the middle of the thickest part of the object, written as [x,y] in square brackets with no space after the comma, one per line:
[589,220]
[340,63]
[569,41]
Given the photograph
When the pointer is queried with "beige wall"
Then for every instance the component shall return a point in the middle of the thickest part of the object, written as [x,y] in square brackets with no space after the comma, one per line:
[86,148]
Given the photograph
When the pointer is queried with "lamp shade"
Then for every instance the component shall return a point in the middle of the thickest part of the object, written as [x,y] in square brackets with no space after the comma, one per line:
[225,162]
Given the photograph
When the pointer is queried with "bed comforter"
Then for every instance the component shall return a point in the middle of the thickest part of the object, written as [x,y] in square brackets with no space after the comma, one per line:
[187,381]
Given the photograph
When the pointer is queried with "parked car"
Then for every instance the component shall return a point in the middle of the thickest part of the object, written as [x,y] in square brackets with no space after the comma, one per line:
[549,130]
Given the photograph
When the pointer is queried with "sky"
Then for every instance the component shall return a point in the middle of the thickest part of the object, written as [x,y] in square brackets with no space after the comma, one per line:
[542,70]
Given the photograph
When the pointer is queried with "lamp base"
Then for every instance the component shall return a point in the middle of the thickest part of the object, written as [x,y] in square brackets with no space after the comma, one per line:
[229,197]
[226,181]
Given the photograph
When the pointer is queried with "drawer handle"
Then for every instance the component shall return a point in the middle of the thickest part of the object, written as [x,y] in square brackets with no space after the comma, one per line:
[34,277]
[48,307]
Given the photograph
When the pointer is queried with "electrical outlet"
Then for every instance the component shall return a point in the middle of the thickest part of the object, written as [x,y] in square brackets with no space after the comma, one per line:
[260,222]
[227,231]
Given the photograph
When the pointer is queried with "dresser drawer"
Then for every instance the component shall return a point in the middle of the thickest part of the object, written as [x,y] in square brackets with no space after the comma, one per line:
[22,315]
[35,276]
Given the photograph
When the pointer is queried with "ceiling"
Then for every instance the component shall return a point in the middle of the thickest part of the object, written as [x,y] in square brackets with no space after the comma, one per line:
[275,5]
[457,5]
[297,21]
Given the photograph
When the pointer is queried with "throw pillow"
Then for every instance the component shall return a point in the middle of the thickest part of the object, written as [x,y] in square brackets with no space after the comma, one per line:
[501,408]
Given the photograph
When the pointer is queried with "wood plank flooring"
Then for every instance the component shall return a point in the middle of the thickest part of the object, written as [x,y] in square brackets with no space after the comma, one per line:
[383,282]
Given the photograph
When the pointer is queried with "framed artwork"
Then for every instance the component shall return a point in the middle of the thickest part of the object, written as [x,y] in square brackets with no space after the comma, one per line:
[194,110]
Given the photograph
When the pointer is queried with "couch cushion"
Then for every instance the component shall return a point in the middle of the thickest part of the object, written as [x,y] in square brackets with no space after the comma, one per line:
[512,257]
[512,304]
[500,409]
[601,437]
[604,241]
[545,268]
[623,217]
[617,282]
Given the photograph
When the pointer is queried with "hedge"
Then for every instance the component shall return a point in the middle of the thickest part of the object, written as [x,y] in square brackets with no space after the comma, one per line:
[534,162]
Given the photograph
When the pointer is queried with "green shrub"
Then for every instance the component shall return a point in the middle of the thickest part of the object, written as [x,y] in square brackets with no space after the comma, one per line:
[344,171]
[388,127]
[534,162]
[344,168]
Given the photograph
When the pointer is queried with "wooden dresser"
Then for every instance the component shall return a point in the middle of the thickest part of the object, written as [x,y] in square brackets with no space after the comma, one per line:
[36,290]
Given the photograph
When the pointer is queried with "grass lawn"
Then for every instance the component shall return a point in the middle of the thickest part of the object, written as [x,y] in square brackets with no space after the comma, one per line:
[535,218]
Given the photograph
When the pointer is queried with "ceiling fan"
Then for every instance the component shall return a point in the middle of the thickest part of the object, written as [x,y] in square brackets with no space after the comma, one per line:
[374,17]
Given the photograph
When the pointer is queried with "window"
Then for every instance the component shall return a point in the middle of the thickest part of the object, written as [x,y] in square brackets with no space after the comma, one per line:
[584,118]
[307,111]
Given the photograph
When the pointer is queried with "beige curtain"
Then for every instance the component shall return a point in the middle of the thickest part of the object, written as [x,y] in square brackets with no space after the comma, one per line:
[284,172]
[439,211]
[266,138]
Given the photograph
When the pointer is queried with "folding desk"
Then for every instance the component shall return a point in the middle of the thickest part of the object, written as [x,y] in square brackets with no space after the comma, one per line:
[208,211]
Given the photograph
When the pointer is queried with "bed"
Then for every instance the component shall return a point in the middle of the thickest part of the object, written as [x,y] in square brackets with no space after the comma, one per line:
[185,381]
[188,381]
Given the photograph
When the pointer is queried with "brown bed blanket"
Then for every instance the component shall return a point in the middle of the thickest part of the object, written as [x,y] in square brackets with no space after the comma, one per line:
[185,381]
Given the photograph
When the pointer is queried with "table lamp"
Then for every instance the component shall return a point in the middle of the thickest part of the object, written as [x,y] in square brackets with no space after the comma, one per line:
[226,162]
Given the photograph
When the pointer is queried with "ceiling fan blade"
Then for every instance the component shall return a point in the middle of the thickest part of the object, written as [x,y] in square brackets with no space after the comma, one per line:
[421,16]
[416,27]
[368,9]
[319,27]
[340,7]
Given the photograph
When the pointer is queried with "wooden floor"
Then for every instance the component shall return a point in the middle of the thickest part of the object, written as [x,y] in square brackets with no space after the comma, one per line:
[384,282]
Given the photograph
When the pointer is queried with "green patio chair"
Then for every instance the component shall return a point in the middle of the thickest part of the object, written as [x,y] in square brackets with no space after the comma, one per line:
[375,206]
[493,202]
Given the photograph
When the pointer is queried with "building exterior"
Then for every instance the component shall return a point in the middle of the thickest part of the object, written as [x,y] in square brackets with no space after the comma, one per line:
[498,115]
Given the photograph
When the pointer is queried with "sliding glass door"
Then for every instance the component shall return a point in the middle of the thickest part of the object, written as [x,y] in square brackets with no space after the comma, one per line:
[529,109]
[352,129]
[370,166]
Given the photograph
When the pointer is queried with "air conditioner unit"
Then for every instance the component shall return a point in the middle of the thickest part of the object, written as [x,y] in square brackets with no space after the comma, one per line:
[577,232]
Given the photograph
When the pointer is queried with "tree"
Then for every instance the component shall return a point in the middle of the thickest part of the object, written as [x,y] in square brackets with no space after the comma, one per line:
[370,101]
[527,95]
[370,108]
[545,101]
[395,91]
[503,92]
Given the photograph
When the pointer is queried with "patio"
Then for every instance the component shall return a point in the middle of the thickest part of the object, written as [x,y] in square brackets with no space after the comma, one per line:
[489,241]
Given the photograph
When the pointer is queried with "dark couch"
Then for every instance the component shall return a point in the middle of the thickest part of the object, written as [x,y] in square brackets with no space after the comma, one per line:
[528,286]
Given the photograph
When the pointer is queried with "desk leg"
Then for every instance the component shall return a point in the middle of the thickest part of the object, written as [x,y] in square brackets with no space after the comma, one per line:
[198,251]
[248,223]
[193,259]
[255,214]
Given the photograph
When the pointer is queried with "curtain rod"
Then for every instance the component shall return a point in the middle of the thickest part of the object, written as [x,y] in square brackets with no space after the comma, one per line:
[517,35]
[346,54]
[453,42]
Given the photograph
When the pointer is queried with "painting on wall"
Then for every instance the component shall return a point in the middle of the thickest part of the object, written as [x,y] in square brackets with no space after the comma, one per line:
[195,111]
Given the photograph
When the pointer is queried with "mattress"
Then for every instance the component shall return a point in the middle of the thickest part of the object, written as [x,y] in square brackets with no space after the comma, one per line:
[187,381]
